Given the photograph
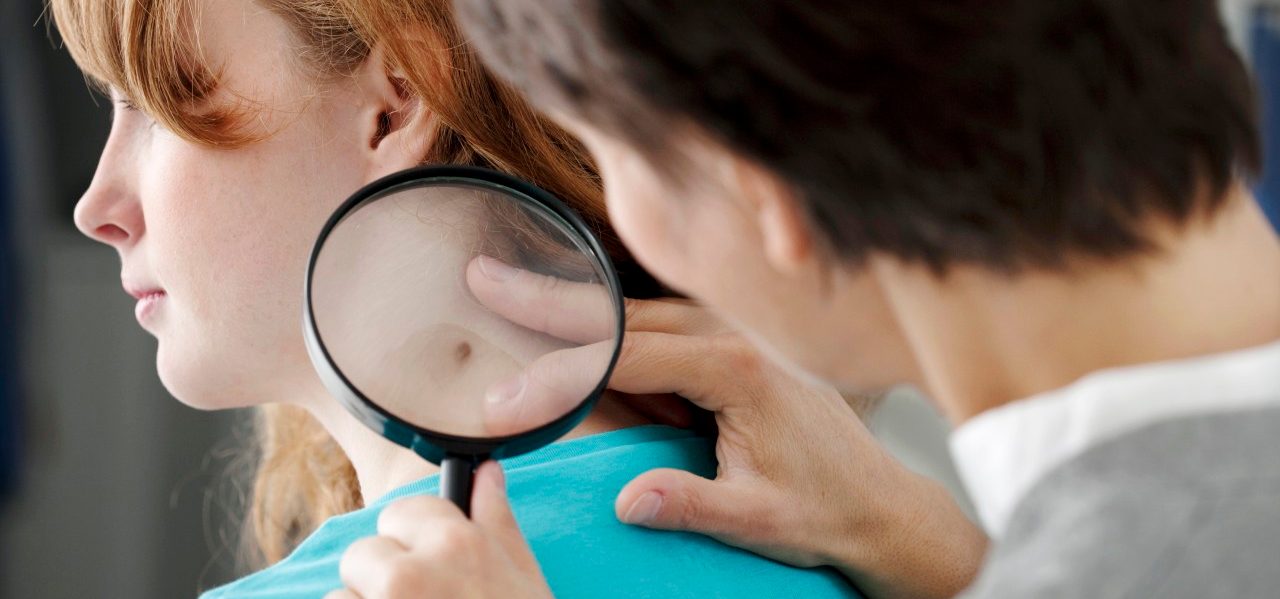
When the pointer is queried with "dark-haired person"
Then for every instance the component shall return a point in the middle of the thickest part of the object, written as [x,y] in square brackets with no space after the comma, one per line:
[1044,200]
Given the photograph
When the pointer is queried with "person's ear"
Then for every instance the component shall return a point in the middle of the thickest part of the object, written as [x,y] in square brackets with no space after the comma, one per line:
[395,124]
[779,214]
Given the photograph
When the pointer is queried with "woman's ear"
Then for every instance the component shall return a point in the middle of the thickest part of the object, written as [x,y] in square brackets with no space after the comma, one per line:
[395,123]
[782,221]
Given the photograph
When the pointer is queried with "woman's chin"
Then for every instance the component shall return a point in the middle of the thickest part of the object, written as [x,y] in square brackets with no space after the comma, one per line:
[195,384]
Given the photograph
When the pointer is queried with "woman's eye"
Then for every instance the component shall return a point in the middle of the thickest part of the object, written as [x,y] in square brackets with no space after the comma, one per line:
[125,105]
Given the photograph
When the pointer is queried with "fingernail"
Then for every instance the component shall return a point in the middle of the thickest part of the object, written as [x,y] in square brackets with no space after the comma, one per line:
[504,392]
[644,509]
[496,270]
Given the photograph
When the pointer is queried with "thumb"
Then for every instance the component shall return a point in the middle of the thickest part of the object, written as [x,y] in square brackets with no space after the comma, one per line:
[491,510]
[672,499]
[550,387]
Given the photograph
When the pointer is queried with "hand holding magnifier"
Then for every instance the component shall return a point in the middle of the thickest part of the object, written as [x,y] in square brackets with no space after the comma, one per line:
[399,339]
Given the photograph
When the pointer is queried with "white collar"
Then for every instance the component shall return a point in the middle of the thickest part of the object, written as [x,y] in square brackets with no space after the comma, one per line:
[1003,452]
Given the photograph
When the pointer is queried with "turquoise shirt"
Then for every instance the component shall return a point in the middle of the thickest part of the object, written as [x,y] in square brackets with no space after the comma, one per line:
[563,496]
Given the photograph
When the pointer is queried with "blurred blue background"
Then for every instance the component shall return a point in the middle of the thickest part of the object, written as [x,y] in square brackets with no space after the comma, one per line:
[1264,46]
[10,391]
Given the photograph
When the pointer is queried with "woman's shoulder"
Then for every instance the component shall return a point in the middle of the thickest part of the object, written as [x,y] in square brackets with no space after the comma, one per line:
[563,497]
[567,513]
[311,569]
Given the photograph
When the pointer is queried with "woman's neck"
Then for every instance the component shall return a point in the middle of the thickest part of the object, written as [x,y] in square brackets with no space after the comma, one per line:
[983,339]
[382,466]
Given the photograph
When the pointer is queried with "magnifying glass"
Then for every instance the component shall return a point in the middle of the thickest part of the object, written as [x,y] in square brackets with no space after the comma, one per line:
[410,294]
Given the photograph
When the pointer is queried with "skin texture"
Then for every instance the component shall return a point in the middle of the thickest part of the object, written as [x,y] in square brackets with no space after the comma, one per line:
[447,562]
[391,303]
[222,230]
[225,232]
[733,236]
[678,347]
[973,340]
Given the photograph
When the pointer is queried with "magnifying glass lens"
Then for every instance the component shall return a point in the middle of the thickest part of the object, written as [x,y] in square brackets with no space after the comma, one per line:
[463,308]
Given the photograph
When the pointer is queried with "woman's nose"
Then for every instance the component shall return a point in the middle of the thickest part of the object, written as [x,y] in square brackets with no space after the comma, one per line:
[109,212]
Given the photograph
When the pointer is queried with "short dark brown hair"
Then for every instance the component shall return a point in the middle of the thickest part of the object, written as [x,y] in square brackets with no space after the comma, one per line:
[1007,133]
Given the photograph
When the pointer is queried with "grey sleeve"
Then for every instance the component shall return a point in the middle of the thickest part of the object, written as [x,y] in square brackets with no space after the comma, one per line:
[1094,545]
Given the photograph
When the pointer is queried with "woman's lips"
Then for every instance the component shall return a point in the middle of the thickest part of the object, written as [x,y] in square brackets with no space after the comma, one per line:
[147,304]
[148,301]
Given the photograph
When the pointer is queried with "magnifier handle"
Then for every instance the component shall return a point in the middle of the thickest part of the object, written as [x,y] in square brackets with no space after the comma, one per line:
[457,476]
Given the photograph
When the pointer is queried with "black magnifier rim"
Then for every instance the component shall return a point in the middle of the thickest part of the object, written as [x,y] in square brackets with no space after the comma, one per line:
[435,445]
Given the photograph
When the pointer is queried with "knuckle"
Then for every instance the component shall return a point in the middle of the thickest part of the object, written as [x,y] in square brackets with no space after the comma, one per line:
[356,557]
[634,309]
[643,353]
[746,521]
[350,557]
[402,578]
[548,290]
[455,536]
[632,350]
[548,286]
[685,519]
[360,546]
[667,317]
[689,513]
[739,356]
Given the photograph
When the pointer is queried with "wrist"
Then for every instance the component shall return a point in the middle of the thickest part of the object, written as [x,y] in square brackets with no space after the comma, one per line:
[911,540]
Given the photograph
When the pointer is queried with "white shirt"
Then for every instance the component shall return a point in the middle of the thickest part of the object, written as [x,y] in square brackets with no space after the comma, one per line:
[1003,452]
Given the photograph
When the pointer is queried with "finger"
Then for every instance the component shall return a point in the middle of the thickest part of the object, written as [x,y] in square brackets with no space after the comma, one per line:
[413,520]
[549,387]
[671,499]
[491,510]
[370,563]
[342,594]
[578,312]
[573,311]
[705,370]
[658,408]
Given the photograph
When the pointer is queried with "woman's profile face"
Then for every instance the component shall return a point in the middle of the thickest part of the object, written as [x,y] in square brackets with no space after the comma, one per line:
[214,241]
